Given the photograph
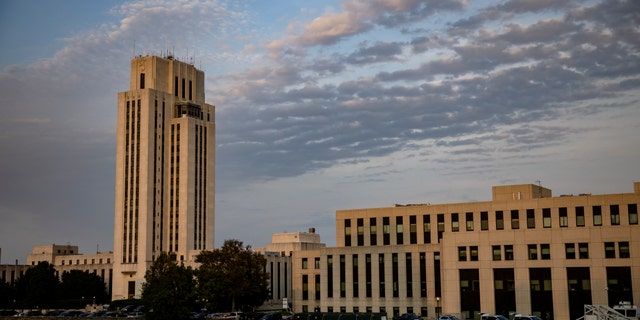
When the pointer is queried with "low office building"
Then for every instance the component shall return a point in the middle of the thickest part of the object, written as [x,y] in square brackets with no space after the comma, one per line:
[524,251]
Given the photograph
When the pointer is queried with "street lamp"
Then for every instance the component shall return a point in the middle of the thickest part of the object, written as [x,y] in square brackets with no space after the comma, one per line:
[437,307]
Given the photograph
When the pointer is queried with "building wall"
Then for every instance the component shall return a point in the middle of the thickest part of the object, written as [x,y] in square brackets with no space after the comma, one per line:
[449,249]
[165,170]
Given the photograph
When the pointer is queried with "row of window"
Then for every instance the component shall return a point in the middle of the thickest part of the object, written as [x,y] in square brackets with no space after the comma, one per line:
[469,223]
[369,309]
[505,252]
[93,261]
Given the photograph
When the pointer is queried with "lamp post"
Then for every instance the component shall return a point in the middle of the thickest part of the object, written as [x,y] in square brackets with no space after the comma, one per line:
[437,307]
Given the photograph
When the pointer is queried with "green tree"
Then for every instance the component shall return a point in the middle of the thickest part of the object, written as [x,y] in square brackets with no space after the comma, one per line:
[169,289]
[82,287]
[38,286]
[232,276]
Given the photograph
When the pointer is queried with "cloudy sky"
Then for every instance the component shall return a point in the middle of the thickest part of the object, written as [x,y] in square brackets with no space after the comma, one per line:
[321,106]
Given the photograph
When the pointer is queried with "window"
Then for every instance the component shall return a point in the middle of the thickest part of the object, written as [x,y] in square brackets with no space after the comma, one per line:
[440,218]
[623,248]
[455,224]
[317,263]
[426,225]
[497,253]
[484,220]
[583,250]
[305,287]
[373,232]
[570,250]
[515,220]
[533,251]
[545,251]
[579,216]
[614,209]
[609,250]
[413,236]
[564,219]
[597,215]
[347,232]
[462,253]
[499,221]
[473,256]
[508,252]
[305,263]
[399,231]
[360,231]
[142,81]
[469,221]
[633,213]
[531,218]
[386,231]
[546,218]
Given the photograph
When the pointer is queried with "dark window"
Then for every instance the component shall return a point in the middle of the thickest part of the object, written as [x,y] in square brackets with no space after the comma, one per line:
[579,216]
[455,224]
[317,278]
[381,274]
[597,215]
[347,232]
[583,250]
[373,232]
[305,263]
[570,250]
[545,251]
[533,251]
[469,221]
[354,272]
[462,253]
[564,218]
[515,219]
[426,225]
[395,274]
[413,236]
[317,263]
[190,90]
[183,88]
[386,231]
[343,277]
[440,227]
[399,231]
[614,209]
[473,253]
[175,86]
[423,274]
[499,220]
[330,276]
[484,220]
[367,275]
[623,248]
[497,253]
[546,218]
[305,287]
[531,218]
[609,250]
[409,274]
[508,252]
[633,213]
[142,81]
[360,231]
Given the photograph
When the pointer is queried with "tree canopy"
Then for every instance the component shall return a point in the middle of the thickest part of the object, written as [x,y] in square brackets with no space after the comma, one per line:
[169,289]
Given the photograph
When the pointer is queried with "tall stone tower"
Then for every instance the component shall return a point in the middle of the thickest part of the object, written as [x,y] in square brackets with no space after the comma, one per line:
[165,170]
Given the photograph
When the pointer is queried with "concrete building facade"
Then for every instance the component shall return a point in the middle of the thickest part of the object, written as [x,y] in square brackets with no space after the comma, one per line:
[165,170]
[524,251]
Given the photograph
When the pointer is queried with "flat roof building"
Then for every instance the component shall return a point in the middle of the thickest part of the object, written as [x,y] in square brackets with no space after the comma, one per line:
[524,251]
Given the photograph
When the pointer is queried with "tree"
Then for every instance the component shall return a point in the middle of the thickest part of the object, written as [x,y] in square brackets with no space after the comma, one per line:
[169,289]
[38,286]
[82,287]
[232,276]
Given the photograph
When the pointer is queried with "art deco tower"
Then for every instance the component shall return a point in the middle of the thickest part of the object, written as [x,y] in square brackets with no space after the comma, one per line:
[165,170]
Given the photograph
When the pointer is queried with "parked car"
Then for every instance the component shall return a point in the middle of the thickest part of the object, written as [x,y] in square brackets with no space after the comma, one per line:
[272,316]
[486,316]
[407,316]
[523,317]
[447,317]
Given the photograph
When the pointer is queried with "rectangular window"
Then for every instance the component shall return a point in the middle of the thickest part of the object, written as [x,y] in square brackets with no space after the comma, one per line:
[545,251]
[317,277]
[515,220]
[347,232]
[455,224]
[469,221]
[373,232]
[381,274]
[473,253]
[570,250]
[190,90]
[499,220]
[440,226]
[426,225]
[330,276]
[497,253]
[142,81]
[579,216]
[597,215]
[583,250]
[367,274]
[360,231]
[304,263]
[632,208]
[408,266]
[395,274]
[354,272]
[609,250]
[423,274]
[343,276]
[462,253]
[413,229]
[183,88]
[317,263]
[533,251]
[564,218]
[546,218]
[614,210]
[386,231]
[305,287]
[508,252]
[399,231]
[484,220]
[623,248]
[531,218]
